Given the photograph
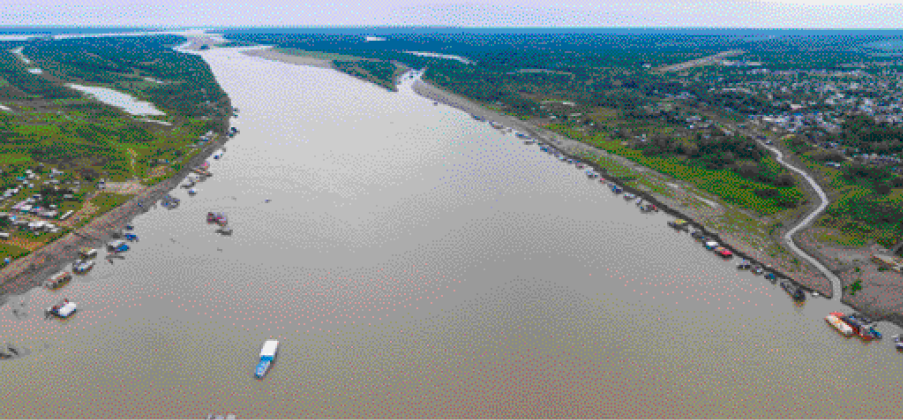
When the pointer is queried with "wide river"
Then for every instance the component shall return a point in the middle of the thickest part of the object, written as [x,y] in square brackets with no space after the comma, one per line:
[414,262]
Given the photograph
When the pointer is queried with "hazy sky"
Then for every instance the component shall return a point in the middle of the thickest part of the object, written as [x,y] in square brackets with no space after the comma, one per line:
[708,13]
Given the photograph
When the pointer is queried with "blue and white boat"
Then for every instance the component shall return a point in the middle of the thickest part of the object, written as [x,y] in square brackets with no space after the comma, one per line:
[267,358]
[118,246]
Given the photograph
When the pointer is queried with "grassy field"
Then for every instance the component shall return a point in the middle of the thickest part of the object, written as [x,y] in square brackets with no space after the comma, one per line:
[723,183]
[857,215]
[108,201]
[12,251]
[318,55]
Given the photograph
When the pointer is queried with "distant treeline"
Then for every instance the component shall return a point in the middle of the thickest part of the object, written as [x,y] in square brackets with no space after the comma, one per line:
[187,83]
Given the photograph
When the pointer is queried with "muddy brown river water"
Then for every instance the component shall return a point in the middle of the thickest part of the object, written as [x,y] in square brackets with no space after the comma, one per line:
[414,262]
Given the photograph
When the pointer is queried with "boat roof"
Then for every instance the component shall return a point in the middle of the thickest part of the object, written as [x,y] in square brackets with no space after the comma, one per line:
[269,348]
[67,309]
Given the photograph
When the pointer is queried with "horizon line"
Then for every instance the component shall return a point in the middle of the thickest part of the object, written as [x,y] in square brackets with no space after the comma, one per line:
[389,26]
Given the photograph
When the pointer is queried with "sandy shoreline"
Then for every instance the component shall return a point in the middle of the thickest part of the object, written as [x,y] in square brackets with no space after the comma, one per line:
[271,54]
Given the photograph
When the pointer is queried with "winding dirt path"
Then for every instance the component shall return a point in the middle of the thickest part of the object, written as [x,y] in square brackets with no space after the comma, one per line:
[836,285]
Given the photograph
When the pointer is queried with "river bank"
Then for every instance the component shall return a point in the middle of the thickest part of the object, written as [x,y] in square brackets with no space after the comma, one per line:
[806,276]
[882,307]
[30,271]
[271,54]
[700,217]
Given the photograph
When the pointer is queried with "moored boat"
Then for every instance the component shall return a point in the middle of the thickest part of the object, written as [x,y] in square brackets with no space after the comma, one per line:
[192,191]
[218,218]
[757,269]
[58,280]
[629,196]
[743,265]
[724,252]
[796,293]
[118,246]
[679,224]
[82,267]
[87,253]
[898,342]
[267,357]
[841,326]
[63,309]
[710,245]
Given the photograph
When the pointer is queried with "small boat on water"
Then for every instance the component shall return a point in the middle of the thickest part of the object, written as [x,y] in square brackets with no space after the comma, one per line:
[87,253]
[757,269]
[218,218]
[82,267]
[267,357]
[192,191]
[698,235]
[496,125]
[218,154]
[834,319]
[898,342]
[477,117]
[646,208]
[629,196]
[579,165]
[131,237]
[63,309]
[795,292]
[771,276]
[743,265]
[118,246]
[225,230]
[858,328]
[679,224]
[58,280]
[129,227]
[724,252]
[639,201]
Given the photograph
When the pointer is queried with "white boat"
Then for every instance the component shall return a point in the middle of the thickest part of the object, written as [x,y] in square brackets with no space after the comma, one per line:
[267,357]
[82,267]
[63,309]
[192,191]
[58,280]
[839,325]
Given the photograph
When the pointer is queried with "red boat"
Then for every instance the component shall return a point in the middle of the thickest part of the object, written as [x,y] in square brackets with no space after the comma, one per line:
[218,218]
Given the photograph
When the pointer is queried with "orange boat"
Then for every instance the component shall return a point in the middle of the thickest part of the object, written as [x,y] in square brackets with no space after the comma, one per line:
[834,318]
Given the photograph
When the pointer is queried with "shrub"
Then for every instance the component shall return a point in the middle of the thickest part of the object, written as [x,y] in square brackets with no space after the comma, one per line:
[767,193]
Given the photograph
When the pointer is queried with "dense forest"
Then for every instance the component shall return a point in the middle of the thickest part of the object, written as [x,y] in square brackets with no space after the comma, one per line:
[182,83]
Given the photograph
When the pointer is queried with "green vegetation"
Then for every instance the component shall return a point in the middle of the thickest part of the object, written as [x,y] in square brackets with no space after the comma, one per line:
[757,183]
[108,201]
[382,73]
[56,127]
[860,209]
[12,252]
[59,127]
